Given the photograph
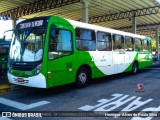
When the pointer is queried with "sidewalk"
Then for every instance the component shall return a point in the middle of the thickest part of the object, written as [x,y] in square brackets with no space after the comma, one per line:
[5,86]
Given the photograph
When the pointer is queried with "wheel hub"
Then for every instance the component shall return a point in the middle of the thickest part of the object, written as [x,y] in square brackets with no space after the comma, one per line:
[82,77]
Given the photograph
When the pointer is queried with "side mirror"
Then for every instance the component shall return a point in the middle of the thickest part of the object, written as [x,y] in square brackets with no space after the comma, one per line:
[7,35]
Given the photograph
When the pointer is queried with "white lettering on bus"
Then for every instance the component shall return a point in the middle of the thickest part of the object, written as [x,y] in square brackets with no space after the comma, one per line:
[31,24]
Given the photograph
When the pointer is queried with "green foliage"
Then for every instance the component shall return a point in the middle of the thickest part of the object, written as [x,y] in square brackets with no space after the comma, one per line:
[153,45]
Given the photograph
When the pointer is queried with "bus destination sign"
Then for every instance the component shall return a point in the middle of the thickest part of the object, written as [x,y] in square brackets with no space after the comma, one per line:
[30,24]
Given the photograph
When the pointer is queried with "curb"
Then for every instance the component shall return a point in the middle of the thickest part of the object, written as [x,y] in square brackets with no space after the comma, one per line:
[5,88]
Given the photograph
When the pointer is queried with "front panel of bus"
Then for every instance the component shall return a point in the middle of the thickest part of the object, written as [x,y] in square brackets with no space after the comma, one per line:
[34,61]
[27,53]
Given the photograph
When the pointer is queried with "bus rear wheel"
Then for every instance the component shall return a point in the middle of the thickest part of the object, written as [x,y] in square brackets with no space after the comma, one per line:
[82,78]
[135,68]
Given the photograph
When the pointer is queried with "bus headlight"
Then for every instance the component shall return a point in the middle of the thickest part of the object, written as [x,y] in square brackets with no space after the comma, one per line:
[37,70]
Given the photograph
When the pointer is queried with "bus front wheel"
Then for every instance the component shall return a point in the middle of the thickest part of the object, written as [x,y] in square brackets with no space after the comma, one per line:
[82,78]
[135,68]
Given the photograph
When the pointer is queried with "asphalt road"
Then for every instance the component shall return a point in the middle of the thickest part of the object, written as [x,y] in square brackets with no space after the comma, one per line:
[115,93]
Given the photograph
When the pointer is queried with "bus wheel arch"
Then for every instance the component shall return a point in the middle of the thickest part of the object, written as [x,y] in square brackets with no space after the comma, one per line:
[83,76]
[135,67]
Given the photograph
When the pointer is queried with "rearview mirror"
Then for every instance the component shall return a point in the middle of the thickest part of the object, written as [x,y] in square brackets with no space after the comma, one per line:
[7,36]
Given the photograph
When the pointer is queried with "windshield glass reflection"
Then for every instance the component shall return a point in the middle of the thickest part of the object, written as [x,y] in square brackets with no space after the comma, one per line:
[27,45]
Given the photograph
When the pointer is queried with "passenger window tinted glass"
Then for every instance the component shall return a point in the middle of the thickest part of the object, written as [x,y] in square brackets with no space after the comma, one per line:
[118,42]
[85,39]
[60,43]
[146,46]
[104,42]
[149,45]
[138,45]
[129,44]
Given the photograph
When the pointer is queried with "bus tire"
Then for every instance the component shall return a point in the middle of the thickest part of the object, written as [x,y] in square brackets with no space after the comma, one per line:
[135,68]
[82,77]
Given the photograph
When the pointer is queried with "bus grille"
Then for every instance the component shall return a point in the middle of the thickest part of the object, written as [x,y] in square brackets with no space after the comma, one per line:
[22,67]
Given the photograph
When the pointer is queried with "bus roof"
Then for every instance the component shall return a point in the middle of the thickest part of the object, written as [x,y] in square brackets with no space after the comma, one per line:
[94,27]
[103,29]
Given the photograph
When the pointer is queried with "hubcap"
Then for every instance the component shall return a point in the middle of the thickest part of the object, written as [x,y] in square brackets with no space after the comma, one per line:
[82,77]
[135,68]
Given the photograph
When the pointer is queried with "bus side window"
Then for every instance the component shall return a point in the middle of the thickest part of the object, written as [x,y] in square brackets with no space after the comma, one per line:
[138,44]
[142,45]
[145,45]
[60,43]
[53,40]
[104,42]
[149,45]
[129,43]
[85,39]
[118,42]
[78,39]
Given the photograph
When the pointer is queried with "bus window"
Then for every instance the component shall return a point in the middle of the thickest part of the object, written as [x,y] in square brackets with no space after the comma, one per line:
[149,45]
[85,39]
[104,41]
[145,46]
[60,43]
[138,45]
[129,44]
[118,43]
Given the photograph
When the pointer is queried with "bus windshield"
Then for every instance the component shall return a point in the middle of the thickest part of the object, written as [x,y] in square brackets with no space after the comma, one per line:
[27,45]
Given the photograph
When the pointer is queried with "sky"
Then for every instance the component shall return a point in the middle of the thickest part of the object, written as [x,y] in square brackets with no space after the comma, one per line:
[4,26]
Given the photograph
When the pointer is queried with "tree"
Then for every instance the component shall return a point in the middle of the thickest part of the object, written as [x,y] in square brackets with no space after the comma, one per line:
[153,43]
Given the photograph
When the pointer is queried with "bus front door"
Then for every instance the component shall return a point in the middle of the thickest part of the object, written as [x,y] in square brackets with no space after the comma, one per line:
[60,57]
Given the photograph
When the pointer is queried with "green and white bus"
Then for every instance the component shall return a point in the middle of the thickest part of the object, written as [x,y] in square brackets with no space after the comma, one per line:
[52,51]
[4,51]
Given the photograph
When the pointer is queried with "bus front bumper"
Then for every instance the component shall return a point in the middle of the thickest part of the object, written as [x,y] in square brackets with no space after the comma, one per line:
[37,81]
